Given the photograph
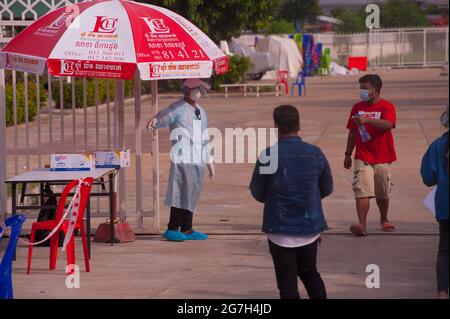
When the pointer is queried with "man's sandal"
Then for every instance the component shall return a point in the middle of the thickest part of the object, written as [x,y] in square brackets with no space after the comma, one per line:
[388,227]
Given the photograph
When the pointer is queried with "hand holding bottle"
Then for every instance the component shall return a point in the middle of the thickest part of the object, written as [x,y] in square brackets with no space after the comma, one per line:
[365,135]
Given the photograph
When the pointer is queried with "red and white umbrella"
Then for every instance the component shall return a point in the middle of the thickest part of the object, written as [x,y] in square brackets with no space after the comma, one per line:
[109,39]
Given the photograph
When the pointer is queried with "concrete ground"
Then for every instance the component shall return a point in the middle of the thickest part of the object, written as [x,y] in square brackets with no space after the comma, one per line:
[234,262]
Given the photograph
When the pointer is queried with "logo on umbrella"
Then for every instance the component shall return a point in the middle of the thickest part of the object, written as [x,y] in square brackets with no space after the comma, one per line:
[56,25]
[67,67]
[156,26]
[60,21]
[155,70]
[105,25]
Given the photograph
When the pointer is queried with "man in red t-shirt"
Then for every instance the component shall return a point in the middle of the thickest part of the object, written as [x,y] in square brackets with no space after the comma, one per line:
[370,129]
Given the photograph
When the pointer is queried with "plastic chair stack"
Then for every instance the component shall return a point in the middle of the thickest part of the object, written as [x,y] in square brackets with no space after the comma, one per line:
[51,224]
[308,46]
[15,223]
[298,38]
[283,80]
[325,62]
[300,82]
[317,56]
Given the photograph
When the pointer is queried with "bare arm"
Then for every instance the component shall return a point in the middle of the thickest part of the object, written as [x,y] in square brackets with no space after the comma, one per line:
[383,125]
[351,142]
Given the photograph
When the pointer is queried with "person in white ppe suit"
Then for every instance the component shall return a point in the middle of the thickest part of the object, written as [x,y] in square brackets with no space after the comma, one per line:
[188,125]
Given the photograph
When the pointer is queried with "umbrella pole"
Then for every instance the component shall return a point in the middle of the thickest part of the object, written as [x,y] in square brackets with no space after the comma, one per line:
[138,133]
[155,161]
[3,158]
[121,119]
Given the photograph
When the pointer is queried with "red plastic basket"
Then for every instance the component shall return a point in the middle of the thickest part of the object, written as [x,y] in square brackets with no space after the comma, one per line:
[358,62]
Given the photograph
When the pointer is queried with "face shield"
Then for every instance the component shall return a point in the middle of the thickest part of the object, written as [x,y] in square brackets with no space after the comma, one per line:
[190,86]
[203,91]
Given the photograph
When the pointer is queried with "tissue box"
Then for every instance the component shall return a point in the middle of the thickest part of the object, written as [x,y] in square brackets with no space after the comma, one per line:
[72,162]
[112,159]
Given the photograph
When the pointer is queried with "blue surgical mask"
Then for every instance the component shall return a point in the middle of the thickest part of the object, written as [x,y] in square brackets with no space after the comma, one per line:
[365,95]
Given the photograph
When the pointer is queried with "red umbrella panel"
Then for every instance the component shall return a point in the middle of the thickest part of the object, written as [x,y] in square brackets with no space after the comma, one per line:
[110,39]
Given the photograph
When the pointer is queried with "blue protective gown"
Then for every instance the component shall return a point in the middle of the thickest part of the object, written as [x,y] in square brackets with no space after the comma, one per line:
[189,154]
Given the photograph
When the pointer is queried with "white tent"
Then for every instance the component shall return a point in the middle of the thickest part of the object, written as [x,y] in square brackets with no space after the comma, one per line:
[287,53]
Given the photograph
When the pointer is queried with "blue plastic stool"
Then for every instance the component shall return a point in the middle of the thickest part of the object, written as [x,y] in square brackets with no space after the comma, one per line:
[6,289]
[299,83]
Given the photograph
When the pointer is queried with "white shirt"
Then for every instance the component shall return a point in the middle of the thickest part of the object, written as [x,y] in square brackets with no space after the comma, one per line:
[288,241]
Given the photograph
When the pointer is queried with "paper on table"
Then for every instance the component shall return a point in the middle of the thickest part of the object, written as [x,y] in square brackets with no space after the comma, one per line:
[430,200]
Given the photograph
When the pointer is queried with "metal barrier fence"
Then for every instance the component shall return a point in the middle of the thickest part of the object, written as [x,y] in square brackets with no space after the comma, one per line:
[72,126]
[408,47]
[411,47]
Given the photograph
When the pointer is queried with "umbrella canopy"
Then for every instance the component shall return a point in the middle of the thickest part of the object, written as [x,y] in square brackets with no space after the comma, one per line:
[110,39]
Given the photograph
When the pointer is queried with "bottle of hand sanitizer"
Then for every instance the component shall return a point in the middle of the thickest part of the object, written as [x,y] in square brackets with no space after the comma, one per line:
[365,136]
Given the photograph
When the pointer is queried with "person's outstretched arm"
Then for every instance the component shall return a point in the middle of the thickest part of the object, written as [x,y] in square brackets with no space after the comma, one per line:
[164,118]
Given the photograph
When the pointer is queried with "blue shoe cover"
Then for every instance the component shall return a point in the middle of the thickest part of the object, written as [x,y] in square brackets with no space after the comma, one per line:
[174,235]
[196,235]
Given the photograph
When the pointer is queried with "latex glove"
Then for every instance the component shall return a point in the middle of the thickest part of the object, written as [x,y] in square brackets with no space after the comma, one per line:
[212,171]
[151,126]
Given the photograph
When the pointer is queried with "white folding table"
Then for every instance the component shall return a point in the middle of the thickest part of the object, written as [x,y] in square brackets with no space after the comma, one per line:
[46,176]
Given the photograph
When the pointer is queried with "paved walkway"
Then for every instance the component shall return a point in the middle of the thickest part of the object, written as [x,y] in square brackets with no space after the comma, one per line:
[235,262]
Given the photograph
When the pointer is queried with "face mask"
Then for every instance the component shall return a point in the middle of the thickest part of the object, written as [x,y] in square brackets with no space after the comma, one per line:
[365,95]
[196,95]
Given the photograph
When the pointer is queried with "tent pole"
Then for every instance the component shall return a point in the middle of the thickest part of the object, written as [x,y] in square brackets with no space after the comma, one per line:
[3,157]
[155,162]
[138,134]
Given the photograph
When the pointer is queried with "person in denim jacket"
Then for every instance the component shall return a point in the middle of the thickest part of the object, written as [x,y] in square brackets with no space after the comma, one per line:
[292,197]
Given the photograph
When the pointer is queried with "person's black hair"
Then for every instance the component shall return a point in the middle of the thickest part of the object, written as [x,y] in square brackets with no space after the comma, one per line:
[374,80]
[287,119]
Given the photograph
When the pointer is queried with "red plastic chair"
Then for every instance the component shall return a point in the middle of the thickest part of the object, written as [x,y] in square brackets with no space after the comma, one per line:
[51,224]
[283,79]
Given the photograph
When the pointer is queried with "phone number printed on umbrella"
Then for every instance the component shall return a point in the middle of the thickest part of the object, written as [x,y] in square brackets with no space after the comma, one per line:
[106,56]
[181,54]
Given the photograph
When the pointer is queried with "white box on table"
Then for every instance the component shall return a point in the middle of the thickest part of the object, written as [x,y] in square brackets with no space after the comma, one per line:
[72,162]
[112,159]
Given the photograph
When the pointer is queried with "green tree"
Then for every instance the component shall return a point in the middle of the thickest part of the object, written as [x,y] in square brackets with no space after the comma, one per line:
[351,21]
[222,20]
[402,13]
[239,66]
[434,9]
[299,11]
[394,13]
[280,27]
